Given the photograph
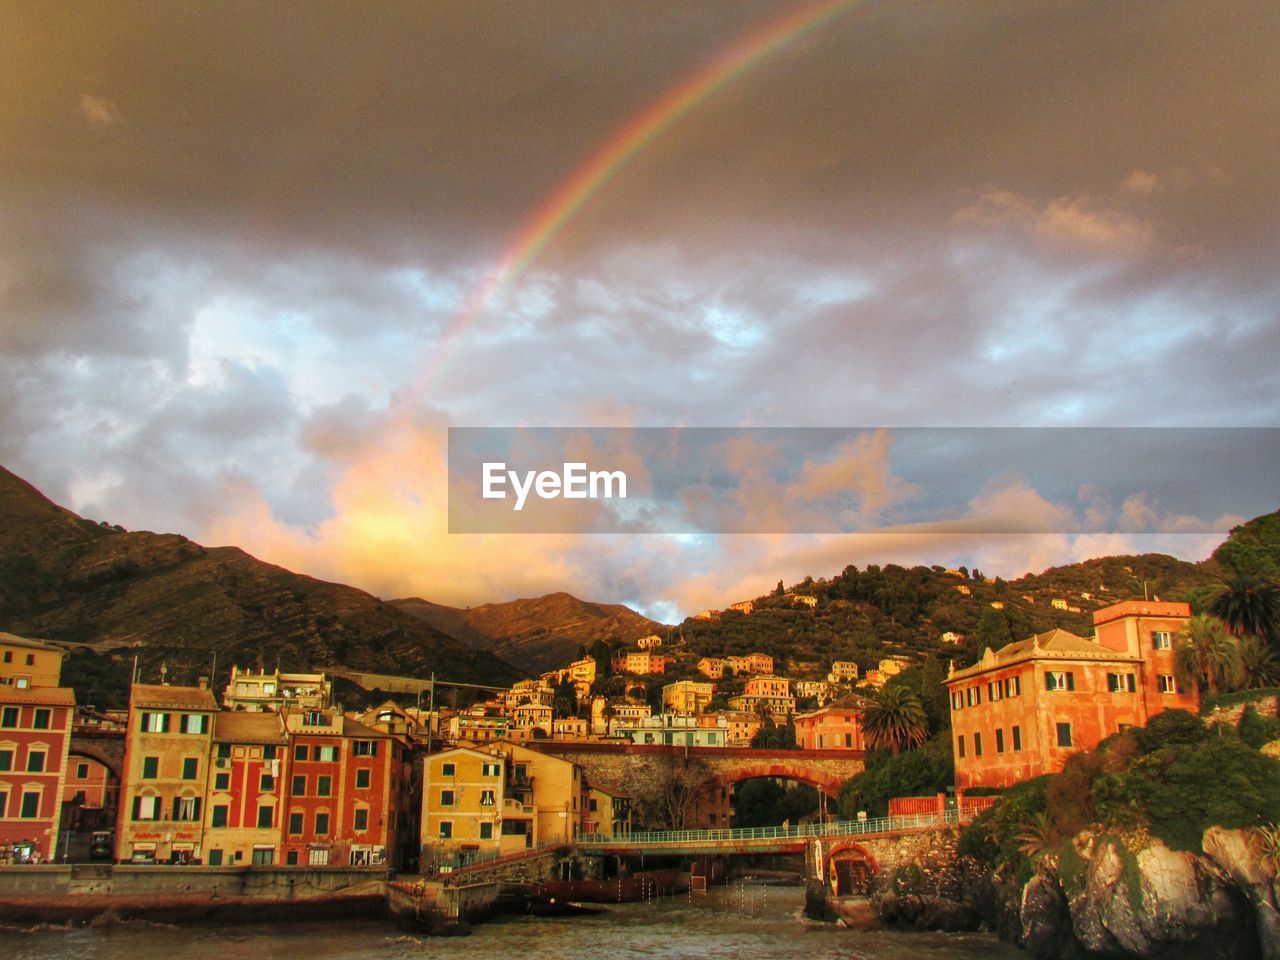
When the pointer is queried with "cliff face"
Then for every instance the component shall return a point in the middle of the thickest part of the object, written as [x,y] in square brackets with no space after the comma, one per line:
[1102,898]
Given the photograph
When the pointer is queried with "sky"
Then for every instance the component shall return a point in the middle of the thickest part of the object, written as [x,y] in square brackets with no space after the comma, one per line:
[256,259]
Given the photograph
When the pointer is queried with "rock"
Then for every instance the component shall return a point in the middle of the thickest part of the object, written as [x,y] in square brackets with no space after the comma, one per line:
[929,913]
[1235,854]
[1046,922]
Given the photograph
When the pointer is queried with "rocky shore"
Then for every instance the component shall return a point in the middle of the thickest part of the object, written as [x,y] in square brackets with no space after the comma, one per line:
[1106,896]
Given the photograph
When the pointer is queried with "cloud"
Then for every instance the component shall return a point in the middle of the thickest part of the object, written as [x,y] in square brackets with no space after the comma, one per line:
[1077,221]
[98,111]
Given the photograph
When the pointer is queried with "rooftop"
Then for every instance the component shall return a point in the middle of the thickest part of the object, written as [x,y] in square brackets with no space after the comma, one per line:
[1051,645]
[163,696]
[44,696]
[13,640]
[237,727]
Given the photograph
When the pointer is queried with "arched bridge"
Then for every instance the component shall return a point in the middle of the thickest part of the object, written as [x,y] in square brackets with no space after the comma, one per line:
[106,745]
[629,768]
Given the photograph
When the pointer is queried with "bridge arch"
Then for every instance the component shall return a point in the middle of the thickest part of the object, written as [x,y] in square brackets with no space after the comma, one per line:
[850,867]
[782,769]
[107,751]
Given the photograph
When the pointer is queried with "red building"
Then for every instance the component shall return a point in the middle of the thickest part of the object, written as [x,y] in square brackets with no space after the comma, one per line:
[35,734]
[343,795]
[1022,710]
[243,810]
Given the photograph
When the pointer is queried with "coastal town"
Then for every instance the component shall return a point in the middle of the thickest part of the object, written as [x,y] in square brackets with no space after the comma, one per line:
[270,770]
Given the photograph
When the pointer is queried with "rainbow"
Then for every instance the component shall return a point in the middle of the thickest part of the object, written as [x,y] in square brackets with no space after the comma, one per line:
[589,179]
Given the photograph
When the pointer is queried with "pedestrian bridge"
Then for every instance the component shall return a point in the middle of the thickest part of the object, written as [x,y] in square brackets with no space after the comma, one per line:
[746,840]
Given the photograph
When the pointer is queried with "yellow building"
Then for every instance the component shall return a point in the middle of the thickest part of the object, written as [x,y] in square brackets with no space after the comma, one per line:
[766,694]
[687,697]
[261,691]
[28,663]
[842,671]
[607,813]
[166,759]
[583,671]
[464,807]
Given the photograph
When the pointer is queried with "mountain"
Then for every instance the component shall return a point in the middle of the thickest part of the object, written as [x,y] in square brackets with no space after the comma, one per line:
[538,634]
[114,593]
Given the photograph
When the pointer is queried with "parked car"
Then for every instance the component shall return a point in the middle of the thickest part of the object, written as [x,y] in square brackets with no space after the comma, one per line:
[100,845]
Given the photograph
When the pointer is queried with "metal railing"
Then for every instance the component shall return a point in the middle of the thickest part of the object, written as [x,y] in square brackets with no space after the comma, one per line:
[802,831]
[458,866]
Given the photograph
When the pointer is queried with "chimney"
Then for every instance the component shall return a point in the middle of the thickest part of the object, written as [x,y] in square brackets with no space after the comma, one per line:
[203,683]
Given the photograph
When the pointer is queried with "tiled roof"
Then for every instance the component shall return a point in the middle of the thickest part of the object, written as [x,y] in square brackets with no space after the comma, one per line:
[162,696]
[233,726]
[1055,644]
[14,640]
[51,696]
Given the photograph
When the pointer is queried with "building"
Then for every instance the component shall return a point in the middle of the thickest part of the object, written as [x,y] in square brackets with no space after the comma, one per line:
[583,671]
[167,749]
[479,724]
[678,730]
[261,691]
[640,662]
[711,667]
[687,697]
[465,808]
[743,606]
[818,690]
[834,727]
[843,671]
[345,793]
[651,642]
[771,695]
[28,663]
[607,813]
[1022,710]
[243,817]
[951,637]
[750,665]
[90,795]
[35,735]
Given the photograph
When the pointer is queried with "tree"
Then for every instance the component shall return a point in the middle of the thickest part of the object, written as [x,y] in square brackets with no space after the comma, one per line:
[1258,663]
[564,702]
[895,720]
[1250,606]
[1207,656]
[668,791]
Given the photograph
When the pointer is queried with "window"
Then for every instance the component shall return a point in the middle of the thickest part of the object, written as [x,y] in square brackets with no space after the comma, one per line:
[300,752]
[364,748]
[1000,741]
[150,768]
[31,659]
[993,690]
[326,754]
[155,723]
[224,751]
[1064,734]
[362,779]
[82,771]
[362,820]
[146,808]
[1059,680]
[1161,640]
[266,816]
[186,808]
[1017,738]
[295,824]
[486,831]
[960,745]
[313,718]
[30,805]
[222,781]
[190,768]
[263,856]
[291,858]
[957,700]
[1120,683]
[974,696]
[977,744]
[447,770]
[8,656]
[324,786]
[446,830]
[1166,683]
[299,788]
[446,798]
[43,718]
[269,751]
[515,828]
[1013,687]
[219,815]
[322,824]
[266,783]
[491,770]
[35,761]
[486,798]
[6,760]
[215,858]
[9,717]
[193,723]
[4,802]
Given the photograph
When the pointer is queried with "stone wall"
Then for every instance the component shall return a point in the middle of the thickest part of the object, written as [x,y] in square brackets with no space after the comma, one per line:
[293,883]
[1267,705]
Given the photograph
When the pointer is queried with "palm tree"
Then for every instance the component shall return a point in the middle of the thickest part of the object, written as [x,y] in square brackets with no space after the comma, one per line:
[1207,655]
[1250,606]
[895,720]
[1258,663]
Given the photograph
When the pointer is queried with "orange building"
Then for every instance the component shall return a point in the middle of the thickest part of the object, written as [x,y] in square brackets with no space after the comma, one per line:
[1021,711]
[834,727]
[243,808]
[89,795]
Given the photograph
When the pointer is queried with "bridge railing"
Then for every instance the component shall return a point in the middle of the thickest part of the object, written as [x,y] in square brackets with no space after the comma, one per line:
[459,866]
[801,831]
